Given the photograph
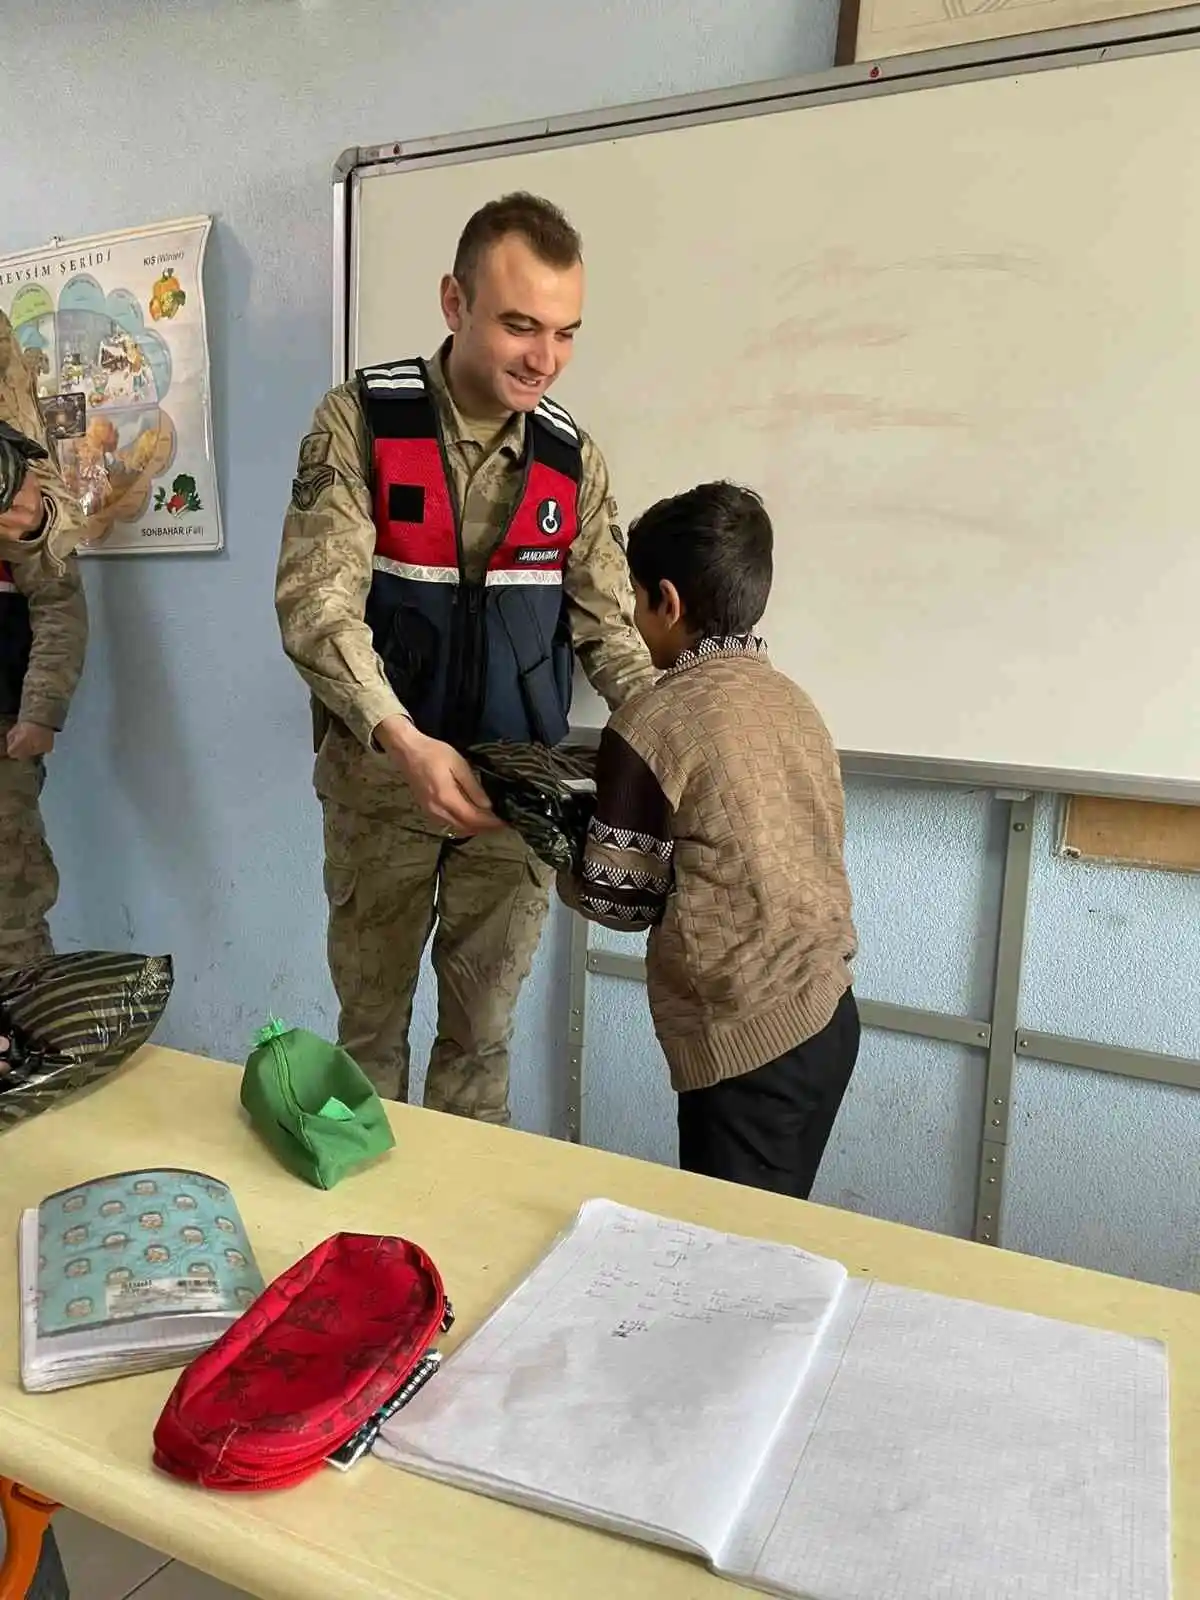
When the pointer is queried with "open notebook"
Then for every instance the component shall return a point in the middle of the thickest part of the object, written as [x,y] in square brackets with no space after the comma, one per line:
[129,1273]
[803,1432]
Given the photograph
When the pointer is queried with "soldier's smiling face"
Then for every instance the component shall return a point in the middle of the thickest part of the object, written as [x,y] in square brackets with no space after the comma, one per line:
[515,333]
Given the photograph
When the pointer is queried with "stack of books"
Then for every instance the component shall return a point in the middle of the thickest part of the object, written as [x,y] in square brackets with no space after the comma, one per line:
[130,1273]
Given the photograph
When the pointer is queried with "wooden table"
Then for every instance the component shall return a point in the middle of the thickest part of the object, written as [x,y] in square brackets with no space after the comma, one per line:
[485,1202]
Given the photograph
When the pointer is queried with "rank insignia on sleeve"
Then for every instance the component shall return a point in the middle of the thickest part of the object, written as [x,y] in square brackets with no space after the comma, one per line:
[310,485]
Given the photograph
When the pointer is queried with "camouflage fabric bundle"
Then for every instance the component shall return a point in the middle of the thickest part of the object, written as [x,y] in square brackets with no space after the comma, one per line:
[72,1020]
[548,796]
[16,452]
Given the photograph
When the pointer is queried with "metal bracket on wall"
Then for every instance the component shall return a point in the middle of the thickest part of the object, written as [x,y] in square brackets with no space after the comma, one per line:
[974,1032]
[1006,999]
[1176,1071]
[999,1036]
[874,1013]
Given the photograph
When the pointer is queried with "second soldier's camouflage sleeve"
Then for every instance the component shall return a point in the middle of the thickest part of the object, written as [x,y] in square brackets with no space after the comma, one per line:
[64,524]
[600,593]
[324,572]
[59,621]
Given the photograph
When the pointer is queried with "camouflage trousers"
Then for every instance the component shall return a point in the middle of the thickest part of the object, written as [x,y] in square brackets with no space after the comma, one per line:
[390,885]
[28,876]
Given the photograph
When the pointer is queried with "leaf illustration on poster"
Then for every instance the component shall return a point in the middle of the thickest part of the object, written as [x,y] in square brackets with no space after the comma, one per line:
[113,329]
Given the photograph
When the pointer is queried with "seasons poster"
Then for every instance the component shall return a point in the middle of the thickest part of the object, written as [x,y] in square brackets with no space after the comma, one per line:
[113,331]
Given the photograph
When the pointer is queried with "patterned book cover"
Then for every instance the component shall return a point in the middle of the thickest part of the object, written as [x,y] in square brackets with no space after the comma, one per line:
[134,1245]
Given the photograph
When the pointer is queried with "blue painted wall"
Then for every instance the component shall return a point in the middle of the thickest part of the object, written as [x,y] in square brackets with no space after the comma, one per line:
[180,802]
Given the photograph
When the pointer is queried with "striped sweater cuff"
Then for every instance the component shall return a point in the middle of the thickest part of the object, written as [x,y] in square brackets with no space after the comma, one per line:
[626,875]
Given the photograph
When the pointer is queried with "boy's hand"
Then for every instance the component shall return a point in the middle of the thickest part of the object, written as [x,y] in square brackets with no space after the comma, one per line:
[28,740]
[445,788]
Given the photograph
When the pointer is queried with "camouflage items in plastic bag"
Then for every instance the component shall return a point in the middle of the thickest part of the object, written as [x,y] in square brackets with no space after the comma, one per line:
[16,452]
[547,795]
[72,1020]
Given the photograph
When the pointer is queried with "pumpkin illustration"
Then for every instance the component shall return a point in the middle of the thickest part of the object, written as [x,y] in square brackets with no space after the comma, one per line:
[167,297]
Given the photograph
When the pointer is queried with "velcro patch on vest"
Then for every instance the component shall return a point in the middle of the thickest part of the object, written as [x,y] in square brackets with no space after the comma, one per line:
[406,502]
[550,517]
[537,556]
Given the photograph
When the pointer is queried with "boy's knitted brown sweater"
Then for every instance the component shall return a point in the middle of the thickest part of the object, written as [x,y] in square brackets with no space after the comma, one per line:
[719,826]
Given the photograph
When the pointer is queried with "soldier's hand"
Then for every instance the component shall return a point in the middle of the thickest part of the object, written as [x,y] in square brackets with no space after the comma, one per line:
[27,513]
[442,782]
[28,740]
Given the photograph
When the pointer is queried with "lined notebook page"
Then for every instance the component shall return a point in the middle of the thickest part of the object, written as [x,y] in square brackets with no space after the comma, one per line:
[634,1381]
[944,1450]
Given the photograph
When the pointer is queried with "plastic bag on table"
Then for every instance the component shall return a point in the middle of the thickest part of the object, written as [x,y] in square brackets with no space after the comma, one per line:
[547,795]
[72,1020]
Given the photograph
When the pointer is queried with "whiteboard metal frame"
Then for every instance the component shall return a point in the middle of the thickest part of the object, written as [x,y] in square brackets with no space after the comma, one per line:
[1156,34]
[998,1037]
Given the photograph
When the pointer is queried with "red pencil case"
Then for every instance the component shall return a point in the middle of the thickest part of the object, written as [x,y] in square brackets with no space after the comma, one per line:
[310,1362]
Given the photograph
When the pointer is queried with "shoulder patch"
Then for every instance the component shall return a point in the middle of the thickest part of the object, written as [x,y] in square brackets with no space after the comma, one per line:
[314,449]
[310,485]
[614,523]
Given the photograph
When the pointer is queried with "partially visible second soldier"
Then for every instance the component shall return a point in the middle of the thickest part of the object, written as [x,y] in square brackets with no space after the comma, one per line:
[43,636]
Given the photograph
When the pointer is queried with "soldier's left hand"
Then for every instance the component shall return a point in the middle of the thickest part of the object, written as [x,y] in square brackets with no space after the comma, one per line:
[27,513]
[28,740]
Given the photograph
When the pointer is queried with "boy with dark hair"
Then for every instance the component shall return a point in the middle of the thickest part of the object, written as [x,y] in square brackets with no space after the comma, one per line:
[719,826]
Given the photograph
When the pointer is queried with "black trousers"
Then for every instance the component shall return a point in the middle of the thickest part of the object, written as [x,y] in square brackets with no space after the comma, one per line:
[768,1129]
[49,1580]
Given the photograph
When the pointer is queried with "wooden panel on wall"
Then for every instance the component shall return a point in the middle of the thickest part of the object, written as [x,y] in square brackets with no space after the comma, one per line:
[900,27]
[1131,833]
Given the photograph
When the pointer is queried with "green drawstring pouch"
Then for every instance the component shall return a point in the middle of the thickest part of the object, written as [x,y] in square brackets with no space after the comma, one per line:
[313,1107]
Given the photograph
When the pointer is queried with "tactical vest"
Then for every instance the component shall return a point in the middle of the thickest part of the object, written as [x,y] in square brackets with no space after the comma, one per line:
[470,661]
[16,642]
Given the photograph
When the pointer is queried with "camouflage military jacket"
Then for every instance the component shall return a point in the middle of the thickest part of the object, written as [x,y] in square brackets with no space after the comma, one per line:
[19,406]
[43,569]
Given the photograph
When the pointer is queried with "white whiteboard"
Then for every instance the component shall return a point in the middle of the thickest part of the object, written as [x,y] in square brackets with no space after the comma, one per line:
[953,336]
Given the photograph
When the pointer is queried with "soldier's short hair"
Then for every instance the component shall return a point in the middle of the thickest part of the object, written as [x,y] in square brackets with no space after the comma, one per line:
[716,545]
[539,222]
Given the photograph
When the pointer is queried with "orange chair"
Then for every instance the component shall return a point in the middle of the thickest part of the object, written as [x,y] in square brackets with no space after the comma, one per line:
[26,1518]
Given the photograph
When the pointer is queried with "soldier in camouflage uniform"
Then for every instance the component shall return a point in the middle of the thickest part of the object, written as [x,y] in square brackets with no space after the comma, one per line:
[451,545]
[43,635]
